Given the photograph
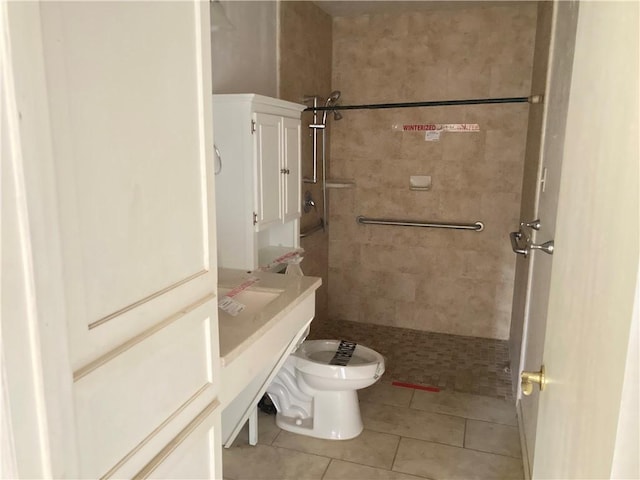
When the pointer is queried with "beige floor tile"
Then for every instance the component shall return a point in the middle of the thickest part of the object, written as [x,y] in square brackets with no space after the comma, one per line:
[264,462]
[437,461]
[370,448]
[492,438]
[413,423]
[339,470]
[267,430]
[466,405]
[384,392]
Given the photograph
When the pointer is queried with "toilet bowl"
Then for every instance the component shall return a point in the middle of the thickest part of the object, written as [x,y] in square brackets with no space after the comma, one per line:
[315,391]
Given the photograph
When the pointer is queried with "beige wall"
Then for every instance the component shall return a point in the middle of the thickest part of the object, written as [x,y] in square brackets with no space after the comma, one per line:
[244,59]
[305,69]
[446,281]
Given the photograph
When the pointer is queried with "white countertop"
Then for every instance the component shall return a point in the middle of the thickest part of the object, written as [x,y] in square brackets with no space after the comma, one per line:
[237,334]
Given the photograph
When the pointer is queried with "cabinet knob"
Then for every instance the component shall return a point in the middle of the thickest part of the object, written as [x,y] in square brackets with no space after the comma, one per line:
[286,171]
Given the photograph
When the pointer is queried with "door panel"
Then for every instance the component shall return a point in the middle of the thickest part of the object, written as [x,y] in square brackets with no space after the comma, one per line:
[132,160]
[593,281]
[120,229]
[129,182]
[110,397]
[292,186]
[188,456]
[269,178]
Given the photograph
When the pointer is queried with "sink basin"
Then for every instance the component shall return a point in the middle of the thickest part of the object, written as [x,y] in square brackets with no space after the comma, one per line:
[254,299]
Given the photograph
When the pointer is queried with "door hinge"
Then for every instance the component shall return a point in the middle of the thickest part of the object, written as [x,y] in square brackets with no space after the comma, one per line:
[253,126]
[255,218]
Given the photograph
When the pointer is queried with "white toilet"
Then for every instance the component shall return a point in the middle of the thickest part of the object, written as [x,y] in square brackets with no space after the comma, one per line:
[315,390]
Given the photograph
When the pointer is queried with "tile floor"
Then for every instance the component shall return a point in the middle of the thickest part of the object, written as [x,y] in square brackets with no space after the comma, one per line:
[450,362]
[467,430]
[409,434]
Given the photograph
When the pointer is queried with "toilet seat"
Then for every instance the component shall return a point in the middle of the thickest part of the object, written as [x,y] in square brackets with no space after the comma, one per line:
[314,357]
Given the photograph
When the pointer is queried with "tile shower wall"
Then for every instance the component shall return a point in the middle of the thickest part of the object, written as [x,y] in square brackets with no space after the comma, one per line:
[305,69]
[457,282]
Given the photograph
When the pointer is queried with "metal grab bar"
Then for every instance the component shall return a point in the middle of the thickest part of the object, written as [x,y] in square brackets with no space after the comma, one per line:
[313,230]
[477,226]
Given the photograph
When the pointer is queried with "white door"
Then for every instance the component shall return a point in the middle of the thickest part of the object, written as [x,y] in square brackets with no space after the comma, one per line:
[112,196]
[291,165]
[594,274]
[563,28]
[268,169]
[595,262]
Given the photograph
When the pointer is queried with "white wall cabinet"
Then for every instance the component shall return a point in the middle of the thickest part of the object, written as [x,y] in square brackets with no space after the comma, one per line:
[258,188]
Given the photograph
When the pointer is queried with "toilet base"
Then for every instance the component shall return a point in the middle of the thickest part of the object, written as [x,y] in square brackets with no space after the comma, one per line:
[336,416]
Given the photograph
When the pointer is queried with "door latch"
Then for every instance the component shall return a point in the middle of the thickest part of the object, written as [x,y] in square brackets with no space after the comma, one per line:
[527,379]
[515,238]
[546,247]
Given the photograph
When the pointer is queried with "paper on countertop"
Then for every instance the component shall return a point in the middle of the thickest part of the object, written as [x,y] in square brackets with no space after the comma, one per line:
[231,306]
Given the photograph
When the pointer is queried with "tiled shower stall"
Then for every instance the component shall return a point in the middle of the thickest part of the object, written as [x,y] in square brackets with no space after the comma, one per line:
[452,282]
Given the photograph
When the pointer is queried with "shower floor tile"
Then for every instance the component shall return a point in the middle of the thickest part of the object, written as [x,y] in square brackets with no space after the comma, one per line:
[453,363]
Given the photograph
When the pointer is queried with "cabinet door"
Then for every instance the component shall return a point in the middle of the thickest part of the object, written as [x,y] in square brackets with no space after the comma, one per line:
[291,163]
[268,151]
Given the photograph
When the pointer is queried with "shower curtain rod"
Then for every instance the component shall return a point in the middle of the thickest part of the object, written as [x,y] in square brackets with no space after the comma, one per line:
[436,103]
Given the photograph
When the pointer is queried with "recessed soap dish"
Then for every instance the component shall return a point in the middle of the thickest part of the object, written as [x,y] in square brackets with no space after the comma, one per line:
[420,182]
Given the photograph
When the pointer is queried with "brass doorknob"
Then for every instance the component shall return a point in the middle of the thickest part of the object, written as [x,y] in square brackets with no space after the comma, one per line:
[529,378]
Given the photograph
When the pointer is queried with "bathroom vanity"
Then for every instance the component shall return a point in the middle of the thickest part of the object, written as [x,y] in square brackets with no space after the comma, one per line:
[255,343]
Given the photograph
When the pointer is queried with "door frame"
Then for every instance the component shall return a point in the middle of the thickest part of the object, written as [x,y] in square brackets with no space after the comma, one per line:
[547,180]
[34,338]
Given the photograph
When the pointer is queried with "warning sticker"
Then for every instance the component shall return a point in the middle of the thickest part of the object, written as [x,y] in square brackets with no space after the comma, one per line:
[344,353]
[460,127]
[442,127]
